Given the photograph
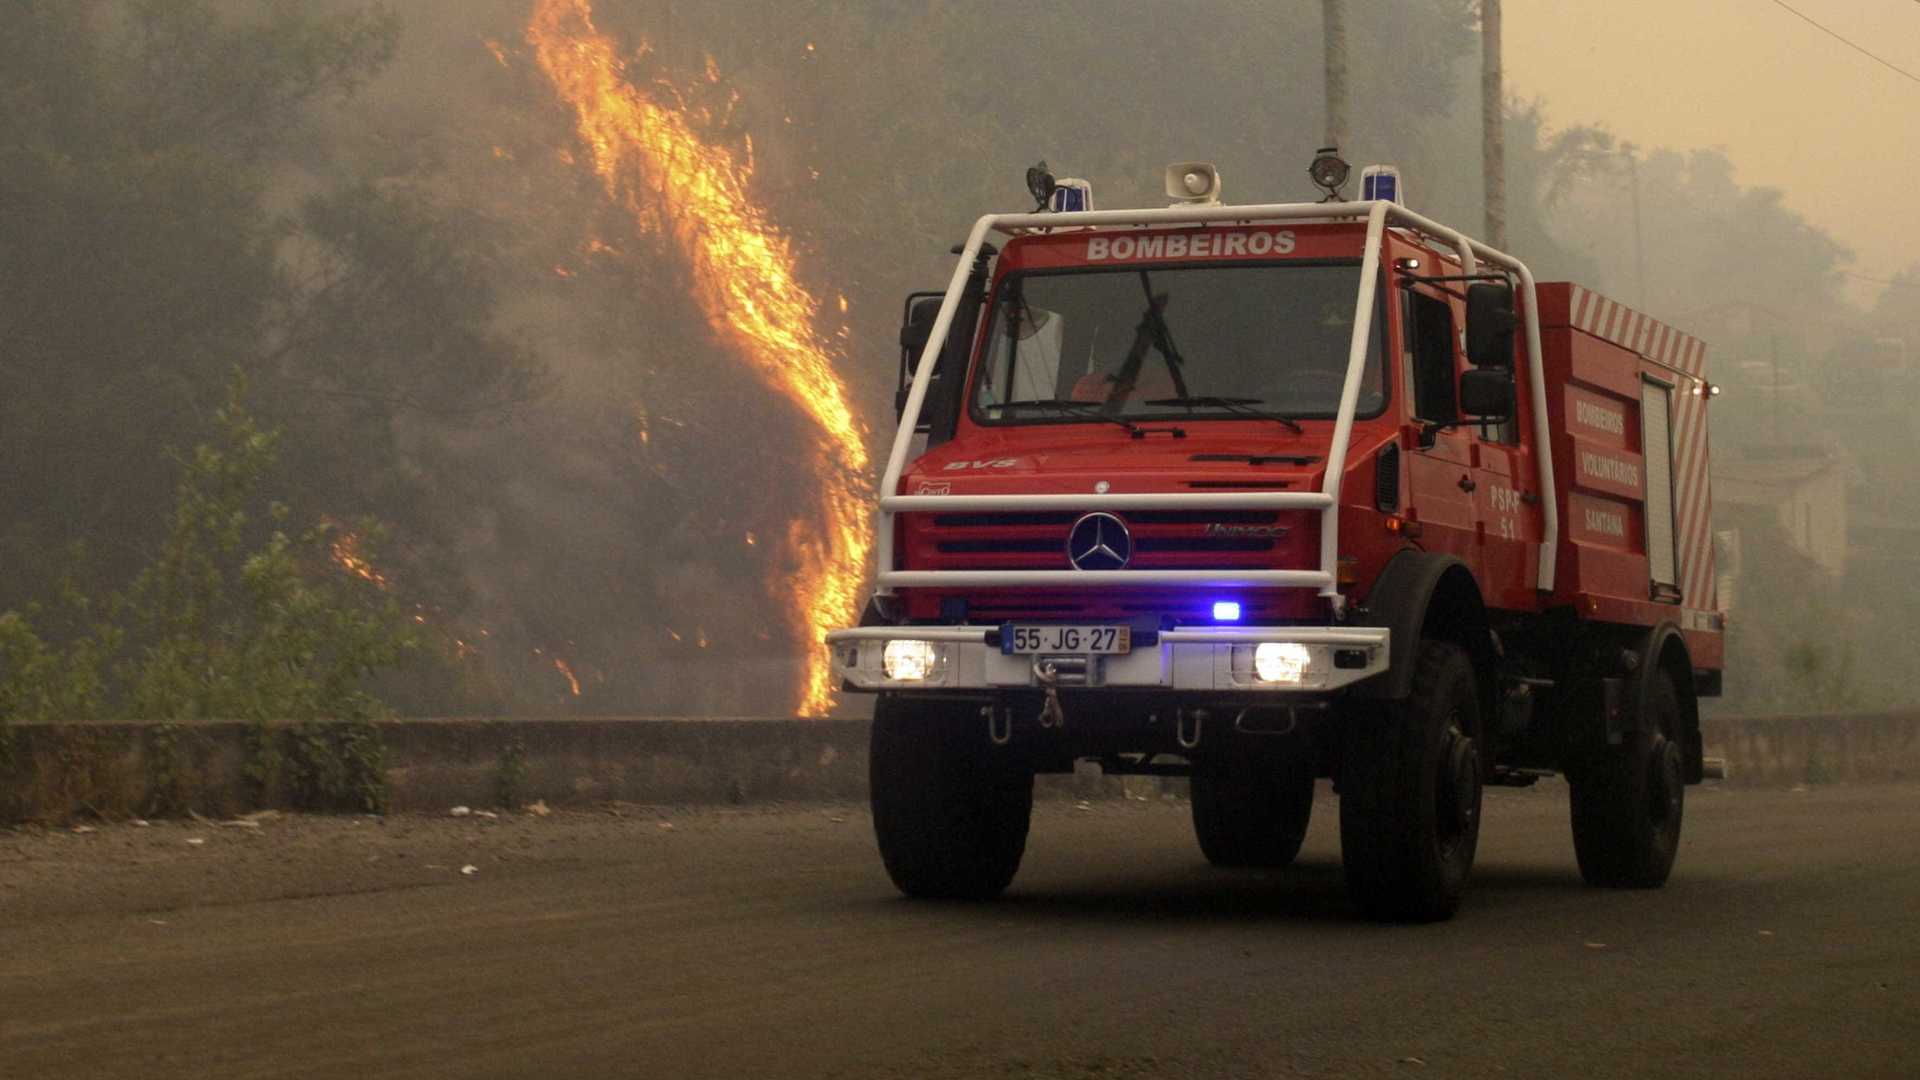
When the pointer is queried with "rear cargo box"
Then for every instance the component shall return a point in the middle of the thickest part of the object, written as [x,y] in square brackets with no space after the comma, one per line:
[1627,400]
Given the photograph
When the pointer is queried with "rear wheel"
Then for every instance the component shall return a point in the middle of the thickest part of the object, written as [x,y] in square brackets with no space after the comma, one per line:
[1410,785]
[1254,816]
[1627,800]
[951,820]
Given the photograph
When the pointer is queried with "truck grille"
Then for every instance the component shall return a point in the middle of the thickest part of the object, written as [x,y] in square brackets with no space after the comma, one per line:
[1154,606]
[1162,540]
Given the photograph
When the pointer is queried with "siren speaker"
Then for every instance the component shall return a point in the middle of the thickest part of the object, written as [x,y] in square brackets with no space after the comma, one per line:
[1193,182]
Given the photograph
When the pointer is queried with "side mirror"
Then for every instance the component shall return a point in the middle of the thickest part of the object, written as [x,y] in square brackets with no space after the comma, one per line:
[1490,323]
[1487,394]
[916,328]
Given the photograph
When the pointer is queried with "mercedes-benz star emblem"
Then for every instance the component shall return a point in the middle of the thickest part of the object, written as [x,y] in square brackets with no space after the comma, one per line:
[1099,542]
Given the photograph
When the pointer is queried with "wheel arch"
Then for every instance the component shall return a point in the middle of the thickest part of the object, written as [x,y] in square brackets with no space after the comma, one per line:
[1665,653]
[1419,595]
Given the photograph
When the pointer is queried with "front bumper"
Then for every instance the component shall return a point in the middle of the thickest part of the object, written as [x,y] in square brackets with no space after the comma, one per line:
[1198,659]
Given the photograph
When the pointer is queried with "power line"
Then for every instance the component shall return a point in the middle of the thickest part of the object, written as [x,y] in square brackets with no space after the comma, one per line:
[1877,280]
[1888,64]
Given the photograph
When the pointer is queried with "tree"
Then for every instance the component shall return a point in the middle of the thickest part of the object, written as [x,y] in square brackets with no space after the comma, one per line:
[234,617]
[169,216]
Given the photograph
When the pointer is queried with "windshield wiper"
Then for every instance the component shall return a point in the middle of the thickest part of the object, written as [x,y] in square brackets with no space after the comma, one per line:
[1231,404]
[1092,410]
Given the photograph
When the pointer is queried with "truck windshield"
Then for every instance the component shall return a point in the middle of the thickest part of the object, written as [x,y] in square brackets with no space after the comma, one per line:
[1174,343]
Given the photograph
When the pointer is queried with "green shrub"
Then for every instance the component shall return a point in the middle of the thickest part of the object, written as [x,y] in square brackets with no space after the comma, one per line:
[234,617]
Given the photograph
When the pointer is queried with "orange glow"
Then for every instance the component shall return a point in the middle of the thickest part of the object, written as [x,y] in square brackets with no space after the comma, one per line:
[566,669]
[658,168]
[641,424]
[345,550]
[499,54]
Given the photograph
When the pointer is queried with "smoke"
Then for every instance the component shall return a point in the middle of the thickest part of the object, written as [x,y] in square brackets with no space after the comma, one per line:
[609,522]
[634,518]
[631,520]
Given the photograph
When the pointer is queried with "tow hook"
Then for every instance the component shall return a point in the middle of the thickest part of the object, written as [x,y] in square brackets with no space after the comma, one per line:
[1053,672]
[1246,723]
[1047,671]
[999,724]
[1186,741]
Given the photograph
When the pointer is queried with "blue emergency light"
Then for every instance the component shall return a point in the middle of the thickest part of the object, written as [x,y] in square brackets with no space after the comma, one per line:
[1381,182]
[1226,611]
[1071,196]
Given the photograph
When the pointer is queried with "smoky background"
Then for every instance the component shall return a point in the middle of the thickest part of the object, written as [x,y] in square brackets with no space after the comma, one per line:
[589,498]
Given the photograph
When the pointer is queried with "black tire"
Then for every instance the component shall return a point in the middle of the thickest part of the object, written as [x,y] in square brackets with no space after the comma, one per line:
[1254,816]
[1627,800]
[951,821]
[1410,785]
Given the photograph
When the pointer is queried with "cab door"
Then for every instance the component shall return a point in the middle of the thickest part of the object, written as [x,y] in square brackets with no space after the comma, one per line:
[1506,475]
[1506,482]
[1442,487]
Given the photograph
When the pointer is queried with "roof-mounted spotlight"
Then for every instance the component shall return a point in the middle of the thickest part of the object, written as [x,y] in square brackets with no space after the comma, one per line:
[1329,172]
[1041,184]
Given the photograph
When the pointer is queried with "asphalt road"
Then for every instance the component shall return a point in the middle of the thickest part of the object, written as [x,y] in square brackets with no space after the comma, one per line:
[768,943]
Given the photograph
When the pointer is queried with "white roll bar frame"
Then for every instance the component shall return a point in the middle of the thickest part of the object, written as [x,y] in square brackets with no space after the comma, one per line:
[1379,217]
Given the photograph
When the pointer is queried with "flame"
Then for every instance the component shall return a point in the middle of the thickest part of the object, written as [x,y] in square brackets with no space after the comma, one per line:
[657,167]
[641,423]
[566,669]
[499,54]
[345,550]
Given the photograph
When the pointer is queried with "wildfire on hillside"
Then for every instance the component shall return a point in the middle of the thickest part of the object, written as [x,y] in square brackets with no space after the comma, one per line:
[655,166]
[346,553]
[566,669]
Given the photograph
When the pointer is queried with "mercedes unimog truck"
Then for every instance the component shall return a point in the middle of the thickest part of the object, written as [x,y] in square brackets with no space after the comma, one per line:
[1256,495]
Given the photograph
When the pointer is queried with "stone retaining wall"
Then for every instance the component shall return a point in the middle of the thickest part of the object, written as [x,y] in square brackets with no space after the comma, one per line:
[57,772]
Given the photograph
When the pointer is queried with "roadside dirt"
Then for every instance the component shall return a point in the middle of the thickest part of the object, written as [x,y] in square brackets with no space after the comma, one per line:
[136,867]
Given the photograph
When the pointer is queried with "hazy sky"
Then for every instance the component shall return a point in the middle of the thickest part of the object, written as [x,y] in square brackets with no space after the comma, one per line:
[1792,107]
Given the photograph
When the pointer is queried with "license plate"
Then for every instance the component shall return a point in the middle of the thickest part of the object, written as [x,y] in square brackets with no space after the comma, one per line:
[1093,640]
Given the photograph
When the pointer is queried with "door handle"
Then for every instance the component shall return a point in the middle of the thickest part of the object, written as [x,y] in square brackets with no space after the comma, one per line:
[1467,484]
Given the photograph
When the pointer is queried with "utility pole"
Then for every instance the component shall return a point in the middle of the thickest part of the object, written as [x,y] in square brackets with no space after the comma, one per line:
[1333,19]
[1639,234]
[1493,147]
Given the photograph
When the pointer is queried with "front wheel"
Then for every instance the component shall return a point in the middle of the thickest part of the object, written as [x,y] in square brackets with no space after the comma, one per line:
[951,820]
[1627,800]
[1410,785]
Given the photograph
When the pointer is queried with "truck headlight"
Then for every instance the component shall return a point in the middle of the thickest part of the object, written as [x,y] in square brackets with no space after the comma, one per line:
[1281,662]
[908,660]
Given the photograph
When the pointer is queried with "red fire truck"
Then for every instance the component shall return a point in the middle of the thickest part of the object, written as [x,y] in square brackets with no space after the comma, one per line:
[1261,494]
